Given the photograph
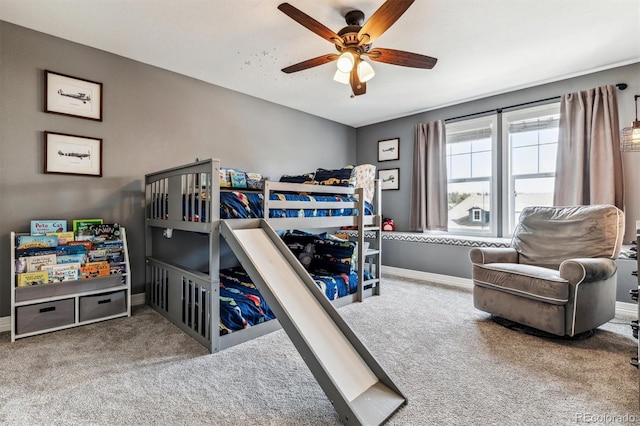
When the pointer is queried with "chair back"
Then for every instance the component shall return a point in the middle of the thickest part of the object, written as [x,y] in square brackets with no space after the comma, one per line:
[547,236]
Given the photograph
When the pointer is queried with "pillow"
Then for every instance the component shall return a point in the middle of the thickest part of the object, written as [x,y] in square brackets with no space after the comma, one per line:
[365,175]
[334,256]
[304,178]
[337,177]
[302,245]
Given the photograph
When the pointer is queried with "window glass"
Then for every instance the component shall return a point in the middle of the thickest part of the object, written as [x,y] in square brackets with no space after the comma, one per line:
[477,201]
[531,142]
[470,149]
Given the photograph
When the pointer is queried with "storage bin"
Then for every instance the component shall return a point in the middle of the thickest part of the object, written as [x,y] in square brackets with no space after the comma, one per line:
[45,315]
[103,305]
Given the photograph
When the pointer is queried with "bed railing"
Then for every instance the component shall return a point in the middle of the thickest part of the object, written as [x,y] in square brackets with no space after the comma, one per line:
[185,197]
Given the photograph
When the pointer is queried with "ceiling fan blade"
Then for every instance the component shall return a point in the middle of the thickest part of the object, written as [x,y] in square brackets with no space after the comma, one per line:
[382,19]
[358,87]
[310,63]
[310,23]
[402,58]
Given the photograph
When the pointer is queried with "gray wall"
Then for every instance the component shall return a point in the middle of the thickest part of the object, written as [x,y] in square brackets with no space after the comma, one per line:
[453,260]
[152,119]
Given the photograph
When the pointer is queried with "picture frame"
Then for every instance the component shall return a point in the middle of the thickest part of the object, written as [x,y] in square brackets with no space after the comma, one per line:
[72,154]
[389,179]
[72,96]
[388,150]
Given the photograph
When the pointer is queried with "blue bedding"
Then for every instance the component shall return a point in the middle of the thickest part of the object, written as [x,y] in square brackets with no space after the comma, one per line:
[246,205]
[242,305]
[243,205]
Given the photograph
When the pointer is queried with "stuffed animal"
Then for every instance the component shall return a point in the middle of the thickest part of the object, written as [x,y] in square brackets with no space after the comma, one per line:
[387,225]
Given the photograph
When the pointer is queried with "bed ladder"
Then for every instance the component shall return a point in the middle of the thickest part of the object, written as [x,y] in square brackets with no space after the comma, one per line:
[357,386]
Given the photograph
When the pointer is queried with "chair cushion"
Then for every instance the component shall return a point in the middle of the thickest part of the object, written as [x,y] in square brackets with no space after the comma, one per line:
[547,236]
[533,282]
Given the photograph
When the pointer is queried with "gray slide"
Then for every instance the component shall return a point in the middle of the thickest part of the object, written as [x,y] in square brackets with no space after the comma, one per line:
[352,379]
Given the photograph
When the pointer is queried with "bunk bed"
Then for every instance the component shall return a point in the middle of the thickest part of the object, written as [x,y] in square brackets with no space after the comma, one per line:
[187,280]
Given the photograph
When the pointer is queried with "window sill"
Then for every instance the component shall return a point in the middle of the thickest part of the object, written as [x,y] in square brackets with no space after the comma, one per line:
[443,238]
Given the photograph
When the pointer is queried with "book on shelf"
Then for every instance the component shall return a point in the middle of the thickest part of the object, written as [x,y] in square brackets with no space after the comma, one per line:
[94,270]
[42,227]
[71,258]
[63,237]
[238,178]
[82,228]
[118,268]
[35,263]
[87,244]
[36,241]
[32,278]
[62,272]
[106,231]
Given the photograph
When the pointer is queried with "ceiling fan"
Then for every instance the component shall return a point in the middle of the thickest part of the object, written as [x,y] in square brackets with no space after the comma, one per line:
[353,43]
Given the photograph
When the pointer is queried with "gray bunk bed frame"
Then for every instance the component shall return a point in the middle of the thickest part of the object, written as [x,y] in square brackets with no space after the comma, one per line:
[189,298]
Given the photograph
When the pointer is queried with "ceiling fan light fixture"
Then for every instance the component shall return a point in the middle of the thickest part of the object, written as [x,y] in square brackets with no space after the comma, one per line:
[365,71]
[341,77]
[346,61]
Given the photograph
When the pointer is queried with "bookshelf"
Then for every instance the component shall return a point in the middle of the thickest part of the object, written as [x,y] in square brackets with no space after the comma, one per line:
[43,308]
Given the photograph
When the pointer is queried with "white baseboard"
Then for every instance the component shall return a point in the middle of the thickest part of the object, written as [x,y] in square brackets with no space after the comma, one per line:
[136,299]
[463,283]
[5,324]
[623,309]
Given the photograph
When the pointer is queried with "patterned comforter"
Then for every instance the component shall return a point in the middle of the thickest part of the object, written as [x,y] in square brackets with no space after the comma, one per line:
[242,305]
[243,205]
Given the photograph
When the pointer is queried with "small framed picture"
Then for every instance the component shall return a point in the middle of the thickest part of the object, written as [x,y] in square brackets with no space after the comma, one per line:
[389,178]
[72,154]
[76,97]
[389,150]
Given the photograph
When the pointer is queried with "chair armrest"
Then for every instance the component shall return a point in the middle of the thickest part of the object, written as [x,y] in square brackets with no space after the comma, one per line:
[587,269]
[486,255]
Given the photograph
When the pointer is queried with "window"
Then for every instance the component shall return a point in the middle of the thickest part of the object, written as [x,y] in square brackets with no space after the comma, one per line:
[494,172]
[531,142]
[470,150]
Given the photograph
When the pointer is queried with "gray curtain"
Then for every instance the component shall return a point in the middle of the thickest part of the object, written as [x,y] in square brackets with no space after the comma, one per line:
[429,178]
[589,162]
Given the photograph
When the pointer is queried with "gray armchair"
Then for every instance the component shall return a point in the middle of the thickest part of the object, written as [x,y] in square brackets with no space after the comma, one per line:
[559,275]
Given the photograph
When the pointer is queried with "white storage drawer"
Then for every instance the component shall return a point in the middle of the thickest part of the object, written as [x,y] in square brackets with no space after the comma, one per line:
[103,305]
[42,316]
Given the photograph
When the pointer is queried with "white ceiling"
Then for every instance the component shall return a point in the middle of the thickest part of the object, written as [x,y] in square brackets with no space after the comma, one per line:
[483,47]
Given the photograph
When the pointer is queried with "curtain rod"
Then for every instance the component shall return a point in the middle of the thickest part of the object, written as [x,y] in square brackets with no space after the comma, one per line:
[620,86]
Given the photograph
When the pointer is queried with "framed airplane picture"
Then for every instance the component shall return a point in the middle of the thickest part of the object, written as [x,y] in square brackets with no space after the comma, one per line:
[76,97]
[389,178]
[72,155]
[389,150]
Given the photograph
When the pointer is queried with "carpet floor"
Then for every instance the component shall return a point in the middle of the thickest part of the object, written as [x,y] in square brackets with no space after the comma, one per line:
[453,363]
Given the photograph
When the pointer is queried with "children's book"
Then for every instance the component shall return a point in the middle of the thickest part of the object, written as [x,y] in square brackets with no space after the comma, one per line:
[42,227]
[63,237]
[94,270]
[238,178]
[64,272]
[36,241]
[87,244]
[35,263]
[106,231]
[33,278]
[71,258]
[81,228]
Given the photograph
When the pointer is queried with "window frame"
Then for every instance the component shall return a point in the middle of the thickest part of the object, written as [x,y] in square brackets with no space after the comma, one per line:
[490,121]
[508,184]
